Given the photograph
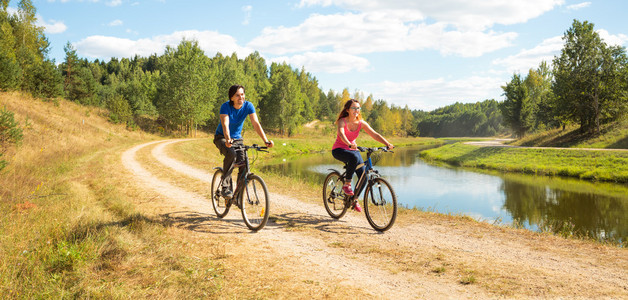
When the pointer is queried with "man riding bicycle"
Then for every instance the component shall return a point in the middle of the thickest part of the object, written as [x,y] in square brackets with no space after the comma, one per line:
[229,132]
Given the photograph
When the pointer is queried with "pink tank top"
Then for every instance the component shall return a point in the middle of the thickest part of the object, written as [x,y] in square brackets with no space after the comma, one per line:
[351,136]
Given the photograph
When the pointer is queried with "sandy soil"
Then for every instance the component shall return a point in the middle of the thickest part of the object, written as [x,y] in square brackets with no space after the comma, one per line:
[422,256]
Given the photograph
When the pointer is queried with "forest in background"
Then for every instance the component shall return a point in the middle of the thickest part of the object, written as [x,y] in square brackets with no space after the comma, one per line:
[182,89]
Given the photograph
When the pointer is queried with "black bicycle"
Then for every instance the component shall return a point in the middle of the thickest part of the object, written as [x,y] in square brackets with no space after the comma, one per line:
[380,201]
[250,194]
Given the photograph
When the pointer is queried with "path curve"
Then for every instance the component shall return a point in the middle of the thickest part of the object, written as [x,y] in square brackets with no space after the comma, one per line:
[315,253]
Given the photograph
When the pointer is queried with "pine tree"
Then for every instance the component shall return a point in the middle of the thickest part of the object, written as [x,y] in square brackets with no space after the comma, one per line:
[517,109]
[10,71]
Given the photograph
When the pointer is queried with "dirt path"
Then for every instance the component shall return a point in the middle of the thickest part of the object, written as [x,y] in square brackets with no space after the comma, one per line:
[420,258]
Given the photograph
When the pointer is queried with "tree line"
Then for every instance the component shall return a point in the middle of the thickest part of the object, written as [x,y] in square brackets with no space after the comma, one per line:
[462,119]
[586,85]
[183,88]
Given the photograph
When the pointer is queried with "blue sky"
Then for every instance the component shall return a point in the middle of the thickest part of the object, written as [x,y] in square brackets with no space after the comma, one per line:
[421,53]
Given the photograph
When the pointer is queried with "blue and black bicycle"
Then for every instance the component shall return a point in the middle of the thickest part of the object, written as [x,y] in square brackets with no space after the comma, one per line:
[380,201]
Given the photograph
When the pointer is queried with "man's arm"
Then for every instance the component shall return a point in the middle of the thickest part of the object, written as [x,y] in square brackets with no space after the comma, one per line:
[224,121]
[260,131]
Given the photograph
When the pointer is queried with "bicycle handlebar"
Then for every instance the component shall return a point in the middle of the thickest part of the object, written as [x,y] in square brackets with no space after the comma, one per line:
[254,146]
[365,149]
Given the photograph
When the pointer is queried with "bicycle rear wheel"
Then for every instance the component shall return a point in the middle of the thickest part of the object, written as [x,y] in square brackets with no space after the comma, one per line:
[380,204]
[333,197]
[255,203]
[220,204]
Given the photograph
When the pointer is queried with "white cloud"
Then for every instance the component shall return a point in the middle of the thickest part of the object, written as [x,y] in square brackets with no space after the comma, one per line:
[51,26]
[531,58]
[465,44]
[376,32]
[329,62]
[115,23]
[476,15]
[105,47]
[613,40]
[114,3]
[348,33]
[579,6]
[434,93]
[247,14]
[528,59]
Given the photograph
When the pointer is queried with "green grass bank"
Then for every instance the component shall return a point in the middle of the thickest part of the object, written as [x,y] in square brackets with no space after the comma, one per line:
[314,144]
[595,165]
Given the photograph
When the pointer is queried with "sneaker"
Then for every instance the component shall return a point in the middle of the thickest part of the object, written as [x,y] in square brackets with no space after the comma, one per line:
[356,206]
[347,189]
[227,194]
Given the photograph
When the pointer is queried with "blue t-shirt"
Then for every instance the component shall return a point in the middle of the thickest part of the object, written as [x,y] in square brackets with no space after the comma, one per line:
[236,118]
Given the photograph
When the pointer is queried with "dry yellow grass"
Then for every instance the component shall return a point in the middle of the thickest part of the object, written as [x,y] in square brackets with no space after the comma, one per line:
[78,226]
[69,226]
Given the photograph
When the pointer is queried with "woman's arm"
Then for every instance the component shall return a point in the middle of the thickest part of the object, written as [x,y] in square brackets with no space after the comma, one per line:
[376,136]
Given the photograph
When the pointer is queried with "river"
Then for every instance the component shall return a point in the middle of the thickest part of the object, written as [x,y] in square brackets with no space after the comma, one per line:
[540,203]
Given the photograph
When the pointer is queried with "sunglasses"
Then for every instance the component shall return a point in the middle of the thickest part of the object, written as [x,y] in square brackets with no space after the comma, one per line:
[356,108]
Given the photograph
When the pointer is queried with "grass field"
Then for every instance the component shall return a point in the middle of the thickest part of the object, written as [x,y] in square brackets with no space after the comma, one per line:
[599,165]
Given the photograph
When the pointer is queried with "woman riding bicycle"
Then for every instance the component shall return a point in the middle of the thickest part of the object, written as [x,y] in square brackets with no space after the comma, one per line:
[345,149]
[232,116]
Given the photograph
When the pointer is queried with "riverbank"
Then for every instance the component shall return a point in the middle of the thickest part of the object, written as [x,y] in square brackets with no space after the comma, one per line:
[594,165]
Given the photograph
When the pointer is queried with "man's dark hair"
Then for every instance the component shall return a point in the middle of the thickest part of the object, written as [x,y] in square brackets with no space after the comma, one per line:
[234,89]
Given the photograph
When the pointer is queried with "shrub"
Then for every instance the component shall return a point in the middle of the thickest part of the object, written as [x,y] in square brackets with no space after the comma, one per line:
[10,133]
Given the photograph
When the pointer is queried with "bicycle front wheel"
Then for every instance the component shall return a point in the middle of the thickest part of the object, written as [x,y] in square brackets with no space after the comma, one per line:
[380,204]
[255,203]
[220,204]
[333,197]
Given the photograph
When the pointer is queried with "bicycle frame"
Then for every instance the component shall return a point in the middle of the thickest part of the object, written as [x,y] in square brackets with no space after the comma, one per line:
[367,175]
[250,194]
[365,178]
[243,174]
[380,201]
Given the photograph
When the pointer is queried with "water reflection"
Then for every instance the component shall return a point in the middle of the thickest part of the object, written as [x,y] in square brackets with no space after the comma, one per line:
[599,216]
[599,210]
